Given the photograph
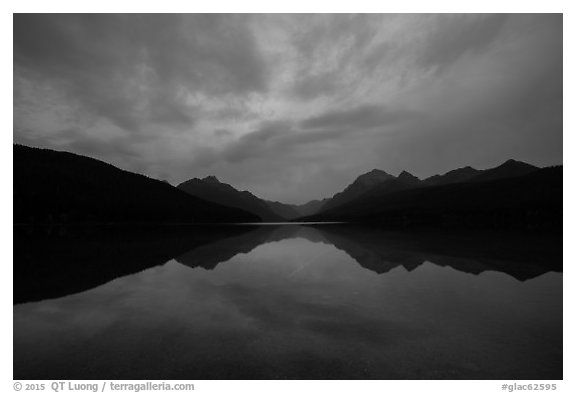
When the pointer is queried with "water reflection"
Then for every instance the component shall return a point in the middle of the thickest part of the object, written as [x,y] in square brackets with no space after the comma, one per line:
[519,255]
[53,262]
[302,302]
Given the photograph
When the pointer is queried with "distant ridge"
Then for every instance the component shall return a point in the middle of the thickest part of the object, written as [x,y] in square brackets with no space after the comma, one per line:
[310,207]
[508,169]
[454,176]
[212,189]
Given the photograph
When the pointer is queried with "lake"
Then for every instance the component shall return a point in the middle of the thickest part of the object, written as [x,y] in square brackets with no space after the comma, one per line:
[286,302]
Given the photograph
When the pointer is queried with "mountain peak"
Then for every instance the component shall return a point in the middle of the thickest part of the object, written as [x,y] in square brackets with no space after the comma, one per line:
[513,161]
[376,171]
[211,189]
[211,179]
[464,171]
[407,177]
[510,168]
[515,164]
[374,176]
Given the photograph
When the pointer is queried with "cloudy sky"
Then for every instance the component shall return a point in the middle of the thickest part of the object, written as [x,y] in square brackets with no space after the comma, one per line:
[291,107]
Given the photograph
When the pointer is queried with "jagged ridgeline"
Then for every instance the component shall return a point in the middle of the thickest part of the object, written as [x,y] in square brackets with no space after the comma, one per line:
[58,187]
[512,195]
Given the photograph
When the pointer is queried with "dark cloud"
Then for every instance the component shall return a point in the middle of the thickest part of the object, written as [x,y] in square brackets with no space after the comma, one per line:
[138,69]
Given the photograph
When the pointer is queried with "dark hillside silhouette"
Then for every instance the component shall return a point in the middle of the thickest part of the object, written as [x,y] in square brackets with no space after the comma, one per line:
[53,187]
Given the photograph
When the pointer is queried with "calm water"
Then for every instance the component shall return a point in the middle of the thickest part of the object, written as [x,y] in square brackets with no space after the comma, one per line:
[292,302]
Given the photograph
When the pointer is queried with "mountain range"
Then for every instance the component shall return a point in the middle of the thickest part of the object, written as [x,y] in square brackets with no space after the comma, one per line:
[514,194]
[379,183]
[62,187]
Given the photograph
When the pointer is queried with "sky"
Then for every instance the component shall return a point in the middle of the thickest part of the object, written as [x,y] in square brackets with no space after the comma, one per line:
[291,107]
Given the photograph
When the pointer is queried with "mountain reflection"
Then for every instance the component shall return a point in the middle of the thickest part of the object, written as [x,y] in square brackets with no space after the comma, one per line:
[378,250]
[51,264]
